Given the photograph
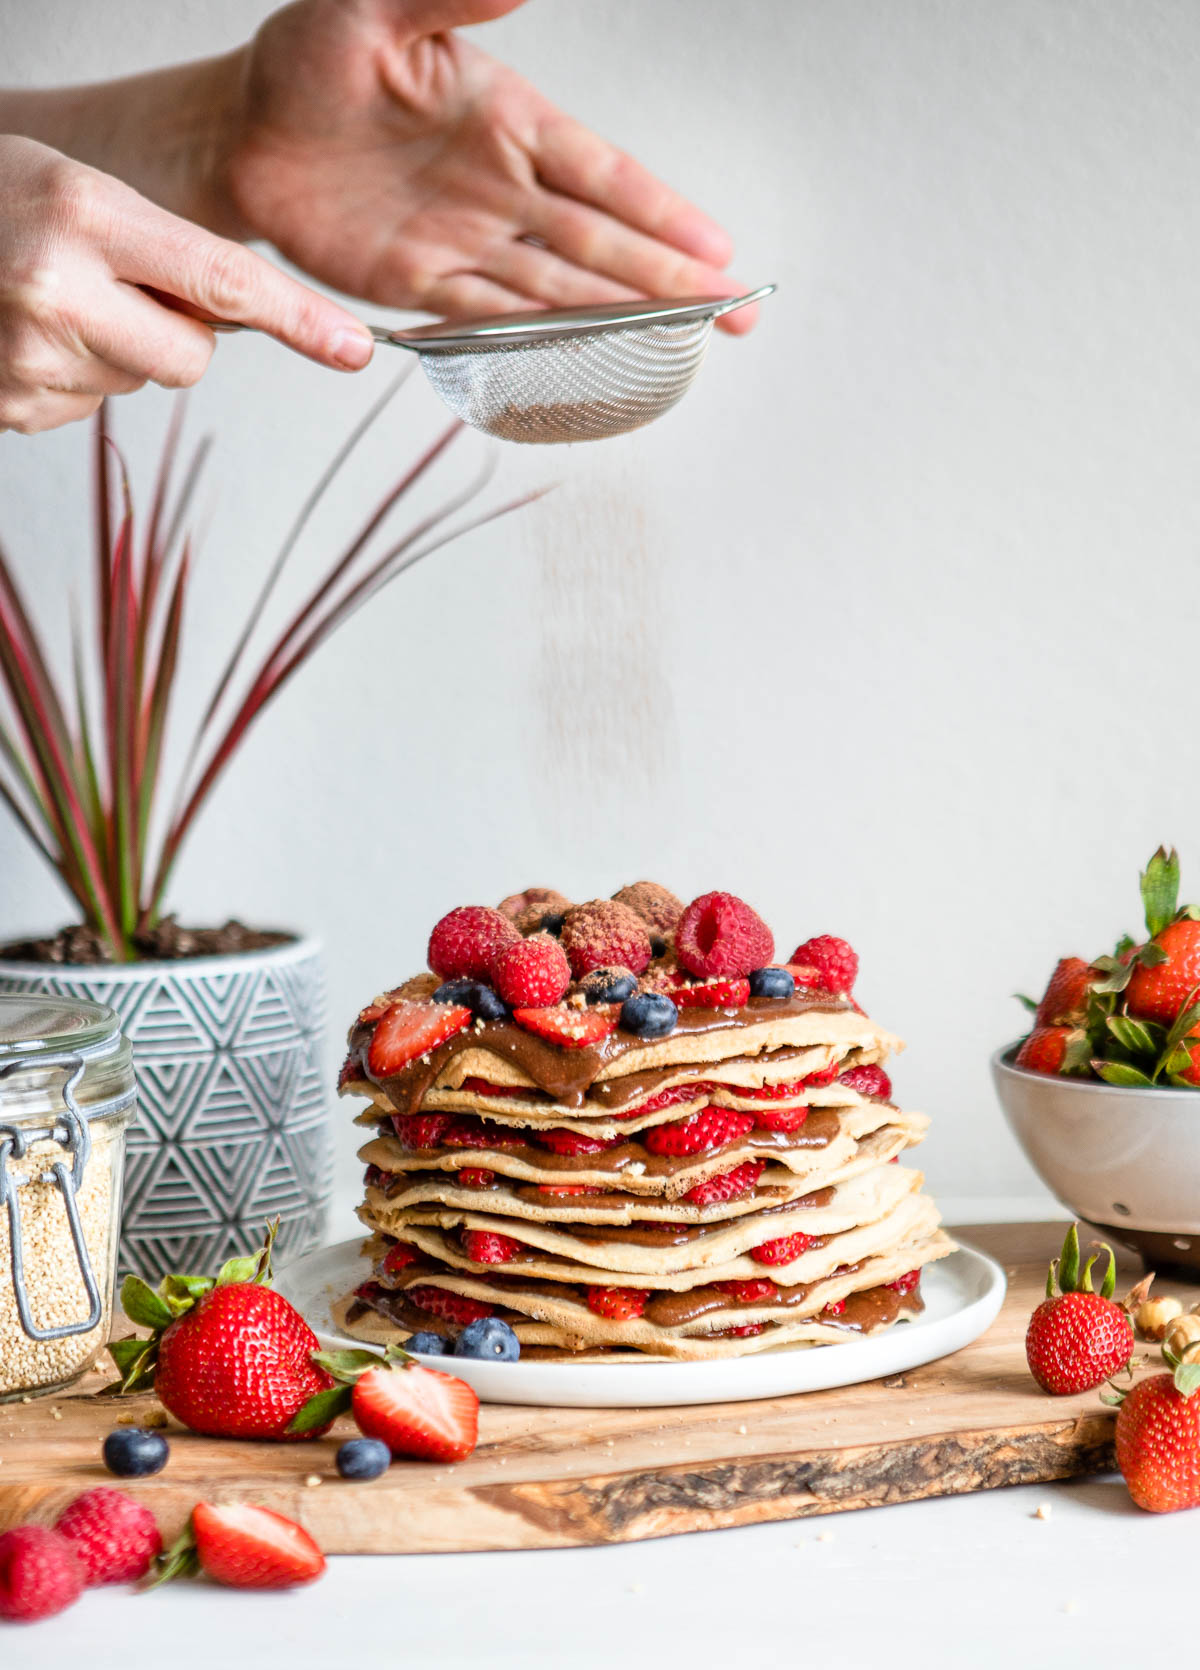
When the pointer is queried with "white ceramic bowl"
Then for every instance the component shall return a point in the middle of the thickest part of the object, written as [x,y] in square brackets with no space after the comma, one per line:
[1126,1160]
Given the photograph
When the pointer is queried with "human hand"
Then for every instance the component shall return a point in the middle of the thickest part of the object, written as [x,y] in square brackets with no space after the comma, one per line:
[390,158]
[78,251]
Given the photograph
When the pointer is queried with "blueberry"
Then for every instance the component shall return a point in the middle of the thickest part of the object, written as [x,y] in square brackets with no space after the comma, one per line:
[608,985]
[489,1337]
[481,1000]
[649,1015]
[428,1345]
[133,1451]
[551,923]
[362,1458]
[658,945]
[771,982]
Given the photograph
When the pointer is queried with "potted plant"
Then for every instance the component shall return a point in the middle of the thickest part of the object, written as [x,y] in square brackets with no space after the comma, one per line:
[227,1022]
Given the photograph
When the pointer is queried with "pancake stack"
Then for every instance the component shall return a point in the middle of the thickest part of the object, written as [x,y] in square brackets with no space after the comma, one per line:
[726,1184]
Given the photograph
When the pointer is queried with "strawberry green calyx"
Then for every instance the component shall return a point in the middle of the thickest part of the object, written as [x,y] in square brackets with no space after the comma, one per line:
[1185,1372]
[180,1560]
[1159,883]
[156,1308]
[1065,1272]
[347,1368]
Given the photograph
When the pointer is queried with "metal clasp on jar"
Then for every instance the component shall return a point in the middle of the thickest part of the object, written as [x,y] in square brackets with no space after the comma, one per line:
[70,1131]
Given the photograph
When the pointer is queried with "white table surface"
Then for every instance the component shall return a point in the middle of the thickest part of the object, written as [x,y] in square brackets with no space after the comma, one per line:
[975,1581]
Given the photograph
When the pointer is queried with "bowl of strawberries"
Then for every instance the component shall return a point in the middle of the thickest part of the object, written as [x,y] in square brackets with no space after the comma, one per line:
[1102,1092]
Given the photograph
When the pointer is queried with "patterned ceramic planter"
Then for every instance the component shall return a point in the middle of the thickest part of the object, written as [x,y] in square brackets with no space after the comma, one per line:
[232,1125]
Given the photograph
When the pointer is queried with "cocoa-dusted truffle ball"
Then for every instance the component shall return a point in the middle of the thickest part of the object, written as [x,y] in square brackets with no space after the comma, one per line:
[603,933]
[654,904]
[545,899]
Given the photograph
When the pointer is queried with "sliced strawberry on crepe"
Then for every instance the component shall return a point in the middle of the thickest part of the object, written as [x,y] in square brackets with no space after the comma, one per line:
[573,1029]
[712,994]
[409,1030]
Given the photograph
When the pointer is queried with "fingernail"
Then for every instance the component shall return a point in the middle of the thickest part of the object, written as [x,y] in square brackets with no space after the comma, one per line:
[351,349]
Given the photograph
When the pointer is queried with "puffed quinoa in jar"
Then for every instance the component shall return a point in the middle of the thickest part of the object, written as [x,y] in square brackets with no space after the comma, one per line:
[66,1097]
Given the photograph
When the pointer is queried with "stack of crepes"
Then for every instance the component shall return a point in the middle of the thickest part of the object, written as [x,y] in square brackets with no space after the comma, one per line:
[725,1185]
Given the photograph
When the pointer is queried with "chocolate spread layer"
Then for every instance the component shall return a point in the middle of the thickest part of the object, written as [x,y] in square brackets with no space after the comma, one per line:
[566,1074]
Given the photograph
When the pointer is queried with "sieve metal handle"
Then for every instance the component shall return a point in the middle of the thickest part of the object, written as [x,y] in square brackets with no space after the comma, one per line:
[70,1130]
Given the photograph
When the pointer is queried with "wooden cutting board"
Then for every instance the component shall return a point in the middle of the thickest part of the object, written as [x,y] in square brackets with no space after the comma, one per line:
[552,1478]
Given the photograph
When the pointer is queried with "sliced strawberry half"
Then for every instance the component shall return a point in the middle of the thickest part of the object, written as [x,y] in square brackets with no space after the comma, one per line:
[409,1030]
[671,1098]
[780,1119]
[451,1307]
[484,1246]
[561,1141]
[420,1130]
[783,1250]
[569,1189]
[700,1133]
[467,1131]
[729,1186]
[417,1411]
[516,1092]
[769,1092]
[712,994]
[906,1283]
[476,1177]
[399,1256]
[617,1304]
[748,1292]
[253,1548]
[573,1029]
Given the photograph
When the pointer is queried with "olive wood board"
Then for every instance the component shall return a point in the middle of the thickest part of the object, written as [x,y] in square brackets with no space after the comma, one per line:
[557,1478]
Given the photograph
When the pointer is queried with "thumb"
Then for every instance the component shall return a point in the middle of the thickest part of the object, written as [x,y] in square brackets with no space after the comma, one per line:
[434,17]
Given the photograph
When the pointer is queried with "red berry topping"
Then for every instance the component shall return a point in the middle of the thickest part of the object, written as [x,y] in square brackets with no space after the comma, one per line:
[780,1119]
[907,1283]
[466,943]
[835,1307]
[350,1070]
[468,1131]
[744,1330]
[782,1251]
[700,1133]
[824,1076]
[835,961]
[618,1304]
[1077,1338]
[671,1098]
[115,1538]
[561,1141]
[420,1130]
[399,1256]
[713,994]
[247,1547]
[748,1292]
[569,1189]
[1064,1002]
[604,932]
[718,934]
[770,1092]
[533,973]
[572,1028]
[451,1307]
[1044,1049]
[40,1573]
[733,1183]
[484,1087]
[409,1030]
[656,905]
[868,1081]
[483,1247]
[475,1177]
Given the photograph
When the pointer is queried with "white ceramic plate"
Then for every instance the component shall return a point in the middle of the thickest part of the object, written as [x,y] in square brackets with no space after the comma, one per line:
[963,1294]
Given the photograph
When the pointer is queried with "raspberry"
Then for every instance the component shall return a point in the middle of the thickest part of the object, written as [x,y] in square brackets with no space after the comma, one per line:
[533,973]
[469,1132]
[561,1141]
[748,1292]
[780,1119]
[782,1251]
[733,1183]
[114,1538]
[868,1081]
[833,959]
[399,1256]
[713,994]
[451,1307]
[701,1132]
[40,1573]
[657,906]
[835,1307]
[569,1189]
[618,1304]
[420,1130]
[718,934]
[602,933]
[672,1098]
[906,1283]
[482,1246]
[466,943]
[475,1177]
[544,899]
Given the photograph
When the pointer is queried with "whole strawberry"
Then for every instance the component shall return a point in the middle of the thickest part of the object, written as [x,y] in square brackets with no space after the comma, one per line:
[1077,1338]
[1158,1439]
[229,1357]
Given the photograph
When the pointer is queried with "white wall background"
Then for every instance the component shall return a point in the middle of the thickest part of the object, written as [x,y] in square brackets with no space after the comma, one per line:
[888,628]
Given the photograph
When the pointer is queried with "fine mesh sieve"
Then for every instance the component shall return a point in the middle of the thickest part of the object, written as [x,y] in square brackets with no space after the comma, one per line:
[572,374]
